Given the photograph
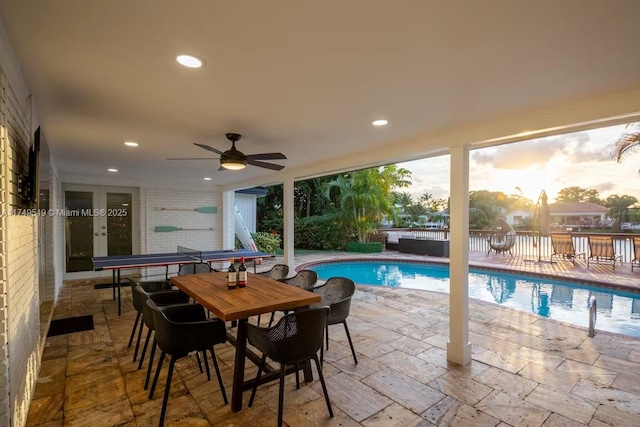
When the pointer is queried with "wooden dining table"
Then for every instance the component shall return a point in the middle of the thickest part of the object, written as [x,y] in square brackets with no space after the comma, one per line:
[261,295]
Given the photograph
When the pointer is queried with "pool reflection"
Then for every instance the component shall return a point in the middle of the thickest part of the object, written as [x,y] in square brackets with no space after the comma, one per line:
[564,301]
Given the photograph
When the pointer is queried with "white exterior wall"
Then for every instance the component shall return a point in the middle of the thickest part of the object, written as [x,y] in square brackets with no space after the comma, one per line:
[246,204]
[209,226]
[510,217]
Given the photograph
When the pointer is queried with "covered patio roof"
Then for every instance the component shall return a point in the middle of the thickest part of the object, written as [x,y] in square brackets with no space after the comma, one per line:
[308,80]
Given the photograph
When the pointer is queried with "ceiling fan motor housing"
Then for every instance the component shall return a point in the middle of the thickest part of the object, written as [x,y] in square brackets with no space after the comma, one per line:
[233,156]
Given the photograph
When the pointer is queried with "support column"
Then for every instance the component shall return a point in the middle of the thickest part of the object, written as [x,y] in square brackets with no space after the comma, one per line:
[288,220]
[459,347]
[228,219]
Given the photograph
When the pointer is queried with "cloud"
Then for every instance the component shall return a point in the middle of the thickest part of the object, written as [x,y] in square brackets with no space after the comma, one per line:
[605,187]
[521,155]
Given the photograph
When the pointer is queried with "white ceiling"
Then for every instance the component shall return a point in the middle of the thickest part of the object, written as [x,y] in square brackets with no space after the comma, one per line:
[302,78]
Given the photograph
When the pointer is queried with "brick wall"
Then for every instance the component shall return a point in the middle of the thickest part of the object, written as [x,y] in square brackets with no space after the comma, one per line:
[19,299]
[23,313]
[4,334]
[56,262]
[19,291]
[52,242]
[160,208]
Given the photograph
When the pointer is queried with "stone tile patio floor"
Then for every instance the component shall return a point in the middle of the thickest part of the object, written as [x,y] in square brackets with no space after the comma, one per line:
[526,370]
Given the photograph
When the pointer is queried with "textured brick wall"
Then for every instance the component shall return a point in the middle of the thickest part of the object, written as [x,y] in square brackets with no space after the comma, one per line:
[19,299]
[4,335]
[19,291]
[55,262]
[23,313]
[160,208]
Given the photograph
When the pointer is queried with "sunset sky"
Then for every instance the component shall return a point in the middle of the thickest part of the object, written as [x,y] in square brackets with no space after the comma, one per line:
[578,159]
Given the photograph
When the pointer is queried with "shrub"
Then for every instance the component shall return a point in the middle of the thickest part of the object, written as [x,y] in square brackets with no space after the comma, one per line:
[324,232]
[267,242]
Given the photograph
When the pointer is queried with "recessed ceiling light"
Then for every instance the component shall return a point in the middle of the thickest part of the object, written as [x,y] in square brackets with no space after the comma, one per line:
[131,144]
[112,170]
[381,122]
[206,178]
[190,61]
[125,204]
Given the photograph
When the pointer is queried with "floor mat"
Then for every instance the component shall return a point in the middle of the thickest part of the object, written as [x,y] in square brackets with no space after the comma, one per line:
[70,324]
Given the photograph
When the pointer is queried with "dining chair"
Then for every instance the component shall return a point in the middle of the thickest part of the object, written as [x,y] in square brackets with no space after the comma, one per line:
[161,299]
[180,330]
[194,268]
[295,339]
[304,279]
[148,286]
[336,294]
[278,272]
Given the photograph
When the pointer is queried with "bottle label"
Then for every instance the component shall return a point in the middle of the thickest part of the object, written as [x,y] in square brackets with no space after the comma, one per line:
[242,278]
[232,279]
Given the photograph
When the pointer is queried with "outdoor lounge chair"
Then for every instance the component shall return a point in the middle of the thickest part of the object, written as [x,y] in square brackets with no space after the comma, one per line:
[601,249]
[562,245]
[636,252]
[502,238]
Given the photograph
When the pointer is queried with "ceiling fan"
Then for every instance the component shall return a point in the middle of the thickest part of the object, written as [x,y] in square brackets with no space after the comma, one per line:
[233,159]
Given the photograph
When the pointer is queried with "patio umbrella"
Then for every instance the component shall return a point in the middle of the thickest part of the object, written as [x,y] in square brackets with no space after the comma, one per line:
[544,215]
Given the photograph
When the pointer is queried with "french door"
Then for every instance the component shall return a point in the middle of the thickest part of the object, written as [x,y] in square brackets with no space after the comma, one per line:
[99,221]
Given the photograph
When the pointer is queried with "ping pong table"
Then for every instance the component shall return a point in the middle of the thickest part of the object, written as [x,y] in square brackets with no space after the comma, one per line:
[117,263]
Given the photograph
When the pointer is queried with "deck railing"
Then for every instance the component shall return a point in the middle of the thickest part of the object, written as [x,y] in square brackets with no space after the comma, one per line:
[528,244]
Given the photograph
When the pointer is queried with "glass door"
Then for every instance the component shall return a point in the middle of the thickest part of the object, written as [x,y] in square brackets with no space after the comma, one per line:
[99,221]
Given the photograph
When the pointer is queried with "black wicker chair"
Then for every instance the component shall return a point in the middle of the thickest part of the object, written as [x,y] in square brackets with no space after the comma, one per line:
[336,293]
[304,279]
[181,329]
[138,303]
[277,272]
[194,268]
[161,299]
[295,339]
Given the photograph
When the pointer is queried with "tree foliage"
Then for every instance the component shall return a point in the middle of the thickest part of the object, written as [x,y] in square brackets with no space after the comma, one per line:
[627,142]
[619,207]
[485,207]
[365,195]
[579,194]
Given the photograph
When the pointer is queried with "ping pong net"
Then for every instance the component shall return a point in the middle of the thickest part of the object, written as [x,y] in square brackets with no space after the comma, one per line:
[191,253]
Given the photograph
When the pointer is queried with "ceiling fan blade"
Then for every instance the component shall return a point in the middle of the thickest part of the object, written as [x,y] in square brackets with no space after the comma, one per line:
[265,165]
[193,158]
[267,156]
[206,147]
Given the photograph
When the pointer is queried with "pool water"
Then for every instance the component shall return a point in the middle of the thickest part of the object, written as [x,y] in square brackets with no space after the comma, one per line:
[617,311]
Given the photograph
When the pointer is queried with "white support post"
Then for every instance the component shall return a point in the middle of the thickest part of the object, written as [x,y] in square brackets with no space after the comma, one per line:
[228,219]
[459,347]
[288,220]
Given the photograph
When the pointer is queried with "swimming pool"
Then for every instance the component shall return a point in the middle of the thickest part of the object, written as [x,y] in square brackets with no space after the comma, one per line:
[617,311]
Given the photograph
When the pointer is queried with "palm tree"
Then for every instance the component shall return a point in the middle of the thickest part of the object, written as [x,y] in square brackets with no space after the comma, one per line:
[619,206]
[364,196]
[628,141]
